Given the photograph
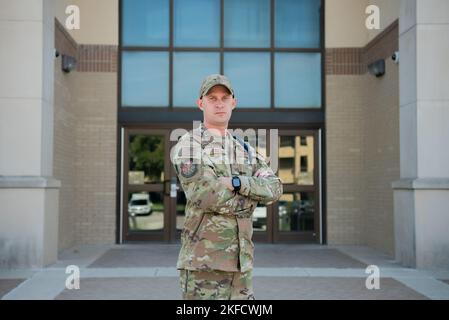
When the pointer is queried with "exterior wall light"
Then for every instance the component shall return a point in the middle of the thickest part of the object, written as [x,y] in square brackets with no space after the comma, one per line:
[68,63]
[377,68]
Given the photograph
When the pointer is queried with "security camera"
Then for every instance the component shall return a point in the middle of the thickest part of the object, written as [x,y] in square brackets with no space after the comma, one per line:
[395,57]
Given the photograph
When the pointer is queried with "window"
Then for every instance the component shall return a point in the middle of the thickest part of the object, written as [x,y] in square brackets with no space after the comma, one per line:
[297,80]
[145,78]
[250,73]
[247,23]
[287,141]
[270,49]
[296,160]
[304,167]
[297,23]
[189,69]
[196,23]
[145,23]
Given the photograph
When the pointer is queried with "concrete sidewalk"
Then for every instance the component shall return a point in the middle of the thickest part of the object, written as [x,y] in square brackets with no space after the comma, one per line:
[146,271]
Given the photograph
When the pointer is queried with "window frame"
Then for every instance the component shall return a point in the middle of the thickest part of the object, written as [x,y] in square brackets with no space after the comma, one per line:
[124,112]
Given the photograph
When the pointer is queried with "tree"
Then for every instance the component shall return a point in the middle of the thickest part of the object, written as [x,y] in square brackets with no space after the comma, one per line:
[146,153]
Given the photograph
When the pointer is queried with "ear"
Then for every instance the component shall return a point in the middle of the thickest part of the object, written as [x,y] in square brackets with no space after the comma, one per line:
[199,103]
[234,103]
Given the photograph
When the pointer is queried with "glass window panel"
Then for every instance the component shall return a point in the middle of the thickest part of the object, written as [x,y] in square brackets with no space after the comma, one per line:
[297,23]
[145,210]
[293,168]
[298,80]
[296,211]
[146,159]
[249,74]
[247,23]
[190,30]
[145,79]
[260,218]
[189,70]
[145,23]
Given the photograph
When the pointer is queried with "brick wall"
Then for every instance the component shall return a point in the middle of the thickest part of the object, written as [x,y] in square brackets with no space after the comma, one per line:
[341,61]
[380,156]
[85,142]
[95,162]
[65,122]
[97,58]
[344,140]
[362,120]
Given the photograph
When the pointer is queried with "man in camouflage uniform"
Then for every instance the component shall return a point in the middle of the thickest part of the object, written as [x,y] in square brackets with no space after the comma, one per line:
[216,257]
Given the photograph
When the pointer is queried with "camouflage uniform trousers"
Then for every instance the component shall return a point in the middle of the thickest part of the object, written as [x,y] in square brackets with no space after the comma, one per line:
[216,285]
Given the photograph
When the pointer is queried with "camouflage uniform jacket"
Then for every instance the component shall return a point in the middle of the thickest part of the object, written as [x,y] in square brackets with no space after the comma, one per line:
[217,232]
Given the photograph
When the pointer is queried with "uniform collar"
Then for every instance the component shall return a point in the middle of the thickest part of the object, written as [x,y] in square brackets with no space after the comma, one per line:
[209,136]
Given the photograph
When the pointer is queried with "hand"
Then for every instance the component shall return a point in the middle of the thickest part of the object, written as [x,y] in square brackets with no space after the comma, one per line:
[227,181]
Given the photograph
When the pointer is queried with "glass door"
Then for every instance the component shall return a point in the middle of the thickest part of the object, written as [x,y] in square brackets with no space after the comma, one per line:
[296,214]
[154,202]
[295,217]
[146,200]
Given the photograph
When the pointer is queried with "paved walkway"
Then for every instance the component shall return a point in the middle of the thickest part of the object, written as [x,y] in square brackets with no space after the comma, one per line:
[146,271]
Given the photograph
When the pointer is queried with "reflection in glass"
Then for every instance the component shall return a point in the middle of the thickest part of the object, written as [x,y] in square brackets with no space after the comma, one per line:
[146,159]
[298,80]
[296,160]
[189,69]
[250,72]
[260,218]
[304,165]
[145,23]
[189,31]
[180,209]
[296,211]
[247,23]
[145,210]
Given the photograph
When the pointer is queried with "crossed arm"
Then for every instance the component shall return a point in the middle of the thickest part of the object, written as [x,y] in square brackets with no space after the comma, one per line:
[212,193]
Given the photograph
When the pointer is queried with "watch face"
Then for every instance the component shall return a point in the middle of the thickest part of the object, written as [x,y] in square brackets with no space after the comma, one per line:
[236,182]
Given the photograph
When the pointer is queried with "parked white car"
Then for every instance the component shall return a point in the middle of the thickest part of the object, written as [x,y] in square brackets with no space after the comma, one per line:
[140,205]
[260,217]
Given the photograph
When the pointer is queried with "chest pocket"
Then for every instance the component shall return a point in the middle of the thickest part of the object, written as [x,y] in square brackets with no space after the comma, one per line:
[217,159]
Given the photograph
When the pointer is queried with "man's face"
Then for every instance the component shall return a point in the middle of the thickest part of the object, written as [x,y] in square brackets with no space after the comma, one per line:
[217,106]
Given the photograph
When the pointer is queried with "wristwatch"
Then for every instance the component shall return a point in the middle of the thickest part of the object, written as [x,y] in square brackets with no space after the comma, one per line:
[236,183]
